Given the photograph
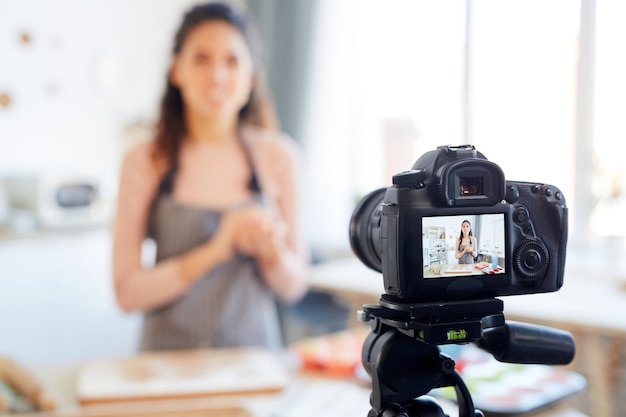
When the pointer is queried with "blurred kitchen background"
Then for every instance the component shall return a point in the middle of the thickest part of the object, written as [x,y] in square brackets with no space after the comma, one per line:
[364,86]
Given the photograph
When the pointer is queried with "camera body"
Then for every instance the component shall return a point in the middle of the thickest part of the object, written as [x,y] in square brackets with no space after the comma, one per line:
[413,233]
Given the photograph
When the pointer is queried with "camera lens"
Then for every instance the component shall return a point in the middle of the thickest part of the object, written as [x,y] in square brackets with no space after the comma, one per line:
[365,229]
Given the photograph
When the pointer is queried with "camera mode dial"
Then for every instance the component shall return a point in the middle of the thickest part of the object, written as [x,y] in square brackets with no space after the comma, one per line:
[531,259]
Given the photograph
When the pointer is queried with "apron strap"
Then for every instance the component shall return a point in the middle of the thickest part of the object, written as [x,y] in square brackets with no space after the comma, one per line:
[166,186]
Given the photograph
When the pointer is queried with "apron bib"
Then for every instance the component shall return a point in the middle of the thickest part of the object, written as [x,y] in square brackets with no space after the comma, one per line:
[229,306]
[466,258]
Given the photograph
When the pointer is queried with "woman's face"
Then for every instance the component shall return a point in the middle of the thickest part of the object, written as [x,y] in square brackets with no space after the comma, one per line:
[213,70]
[465,228]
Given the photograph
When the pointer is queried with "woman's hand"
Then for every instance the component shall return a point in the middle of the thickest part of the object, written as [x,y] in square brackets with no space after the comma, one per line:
[264,235]
[251,231]
[255,232]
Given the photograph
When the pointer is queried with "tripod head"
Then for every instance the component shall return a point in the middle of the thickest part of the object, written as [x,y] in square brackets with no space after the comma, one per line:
[402,356]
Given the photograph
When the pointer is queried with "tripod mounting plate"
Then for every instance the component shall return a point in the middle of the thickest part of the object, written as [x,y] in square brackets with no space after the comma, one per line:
[437,323]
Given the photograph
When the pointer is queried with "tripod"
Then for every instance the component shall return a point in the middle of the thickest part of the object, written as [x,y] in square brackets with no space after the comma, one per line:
[402,356]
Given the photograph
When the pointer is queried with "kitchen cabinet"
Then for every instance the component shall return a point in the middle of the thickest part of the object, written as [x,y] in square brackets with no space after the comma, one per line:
[435,243]
[57,301]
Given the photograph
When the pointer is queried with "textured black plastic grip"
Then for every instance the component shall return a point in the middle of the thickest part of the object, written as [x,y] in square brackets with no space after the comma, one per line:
[529,344]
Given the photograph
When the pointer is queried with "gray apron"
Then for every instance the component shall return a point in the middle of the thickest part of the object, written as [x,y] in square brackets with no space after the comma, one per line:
[466,258]
[229,306]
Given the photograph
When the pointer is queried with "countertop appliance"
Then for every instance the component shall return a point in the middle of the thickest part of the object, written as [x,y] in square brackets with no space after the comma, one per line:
[54,201]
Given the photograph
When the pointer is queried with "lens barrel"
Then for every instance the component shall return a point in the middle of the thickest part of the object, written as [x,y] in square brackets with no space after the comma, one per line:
[365,229]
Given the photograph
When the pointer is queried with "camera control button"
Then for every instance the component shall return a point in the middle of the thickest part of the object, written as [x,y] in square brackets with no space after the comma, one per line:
[535,188]
[512,194]
[409,179]
[548,192]
[520,216]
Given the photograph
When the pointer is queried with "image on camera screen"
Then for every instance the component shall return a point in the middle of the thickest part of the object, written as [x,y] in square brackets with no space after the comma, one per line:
[463,245]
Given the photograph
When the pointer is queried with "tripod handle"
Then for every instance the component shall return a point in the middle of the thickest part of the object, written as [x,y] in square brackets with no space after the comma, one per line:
[525,343]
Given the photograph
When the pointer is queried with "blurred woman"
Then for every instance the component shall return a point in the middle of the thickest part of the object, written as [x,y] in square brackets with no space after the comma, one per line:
[217,190]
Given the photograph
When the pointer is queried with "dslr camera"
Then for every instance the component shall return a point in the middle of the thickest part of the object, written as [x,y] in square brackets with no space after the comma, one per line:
[449,236]
[411,231]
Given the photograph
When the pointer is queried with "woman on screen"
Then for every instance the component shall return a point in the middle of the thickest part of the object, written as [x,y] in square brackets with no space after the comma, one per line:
[466,244]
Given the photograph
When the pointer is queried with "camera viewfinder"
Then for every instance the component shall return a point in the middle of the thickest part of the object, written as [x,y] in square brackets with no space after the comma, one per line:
[470,186]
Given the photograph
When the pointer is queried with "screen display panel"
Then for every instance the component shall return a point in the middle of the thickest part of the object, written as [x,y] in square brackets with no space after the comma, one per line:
[463,245]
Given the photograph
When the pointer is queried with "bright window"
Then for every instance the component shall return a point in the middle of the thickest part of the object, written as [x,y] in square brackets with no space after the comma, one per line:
[395,81]
[609,166]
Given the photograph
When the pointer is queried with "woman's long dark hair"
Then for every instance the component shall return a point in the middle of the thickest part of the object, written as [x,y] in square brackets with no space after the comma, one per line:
[461,234]
[258,111]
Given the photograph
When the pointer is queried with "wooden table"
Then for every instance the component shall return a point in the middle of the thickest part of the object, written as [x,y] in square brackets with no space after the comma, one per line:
[589,306]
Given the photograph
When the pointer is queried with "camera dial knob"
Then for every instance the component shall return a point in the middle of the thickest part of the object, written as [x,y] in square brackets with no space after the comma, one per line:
[409,179]
[531,259]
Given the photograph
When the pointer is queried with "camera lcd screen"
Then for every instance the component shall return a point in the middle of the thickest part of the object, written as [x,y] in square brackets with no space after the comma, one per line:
[463,245]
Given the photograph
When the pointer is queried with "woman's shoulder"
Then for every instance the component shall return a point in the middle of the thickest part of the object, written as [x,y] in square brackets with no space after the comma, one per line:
[272,144]
[277,158]
[140,158]
[140,151]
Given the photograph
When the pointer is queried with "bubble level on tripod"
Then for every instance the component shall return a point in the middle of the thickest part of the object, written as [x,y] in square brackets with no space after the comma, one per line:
[460,334]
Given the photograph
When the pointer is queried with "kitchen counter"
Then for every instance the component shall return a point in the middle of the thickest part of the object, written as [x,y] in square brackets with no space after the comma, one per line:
[305,395]
[58,300]
[454,270]
[12,234]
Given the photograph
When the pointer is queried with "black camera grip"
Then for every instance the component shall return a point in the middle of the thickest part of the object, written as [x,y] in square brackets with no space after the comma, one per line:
[528,344]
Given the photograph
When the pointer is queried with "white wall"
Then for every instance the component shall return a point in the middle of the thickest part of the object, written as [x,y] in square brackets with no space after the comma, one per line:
[90,71]
[91,74]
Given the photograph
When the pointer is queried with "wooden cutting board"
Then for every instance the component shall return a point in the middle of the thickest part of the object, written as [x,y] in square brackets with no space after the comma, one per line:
[202,412]
[457,269]
[180,374]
